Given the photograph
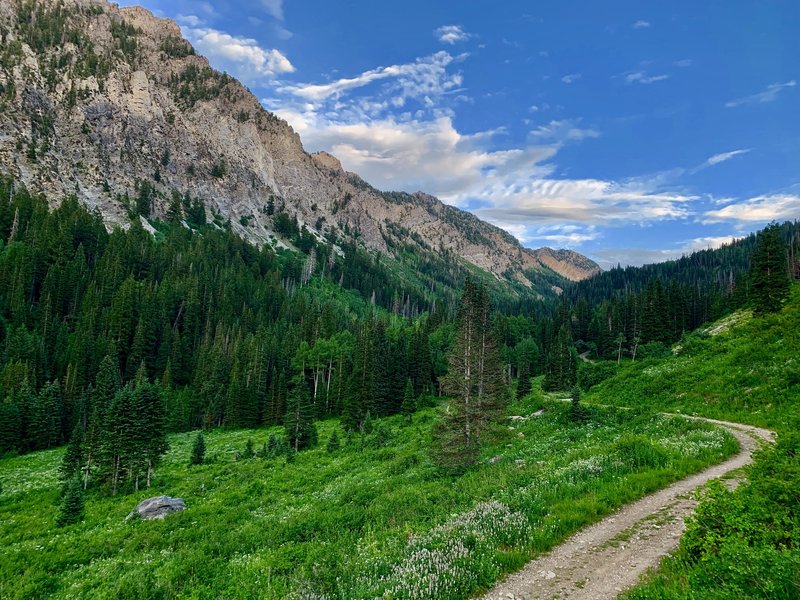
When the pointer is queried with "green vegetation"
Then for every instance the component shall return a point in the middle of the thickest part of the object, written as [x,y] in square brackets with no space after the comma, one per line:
[742,368]
[373,518]
[742,543]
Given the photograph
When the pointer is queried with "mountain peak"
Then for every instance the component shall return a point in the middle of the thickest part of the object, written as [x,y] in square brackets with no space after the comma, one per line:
[118,109]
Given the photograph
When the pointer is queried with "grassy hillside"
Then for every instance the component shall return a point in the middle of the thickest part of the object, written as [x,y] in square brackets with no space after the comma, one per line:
[373,519]
[742,368]
[743,543]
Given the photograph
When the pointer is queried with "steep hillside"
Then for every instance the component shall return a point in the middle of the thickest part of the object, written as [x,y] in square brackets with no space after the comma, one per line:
[742,368]
[113,105]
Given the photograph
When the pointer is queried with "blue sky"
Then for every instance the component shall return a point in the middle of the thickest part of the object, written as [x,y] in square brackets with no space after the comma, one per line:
[629,131]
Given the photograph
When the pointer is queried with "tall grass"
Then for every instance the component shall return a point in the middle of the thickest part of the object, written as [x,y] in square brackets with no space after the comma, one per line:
[370,520]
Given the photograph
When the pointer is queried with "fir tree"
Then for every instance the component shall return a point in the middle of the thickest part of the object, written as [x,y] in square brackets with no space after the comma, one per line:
[299,420]
[524,383]
[273,446]
[474,381]
[248,450]
[769,273]
[562,364]
[72,462]
[198,455]
[576,412]
[333,442]
[72,506]
[409,402]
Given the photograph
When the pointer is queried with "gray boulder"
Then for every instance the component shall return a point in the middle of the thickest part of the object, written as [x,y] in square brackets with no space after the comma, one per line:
[157,508]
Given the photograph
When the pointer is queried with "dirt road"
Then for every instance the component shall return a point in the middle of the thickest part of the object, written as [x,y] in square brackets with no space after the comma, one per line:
[606,558]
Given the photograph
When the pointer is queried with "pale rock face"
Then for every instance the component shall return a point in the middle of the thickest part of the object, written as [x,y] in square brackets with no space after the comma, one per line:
[158,109]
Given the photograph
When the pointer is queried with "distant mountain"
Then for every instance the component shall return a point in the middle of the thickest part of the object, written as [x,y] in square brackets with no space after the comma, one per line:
[113,105]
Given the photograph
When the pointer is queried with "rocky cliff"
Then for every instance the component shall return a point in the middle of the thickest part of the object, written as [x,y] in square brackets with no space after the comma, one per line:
[113,105]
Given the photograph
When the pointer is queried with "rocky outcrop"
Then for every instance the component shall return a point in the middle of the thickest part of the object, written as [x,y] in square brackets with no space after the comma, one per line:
[114,98]
[157,508]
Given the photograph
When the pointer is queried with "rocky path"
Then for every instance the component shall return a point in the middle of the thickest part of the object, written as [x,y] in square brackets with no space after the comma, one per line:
[607,558]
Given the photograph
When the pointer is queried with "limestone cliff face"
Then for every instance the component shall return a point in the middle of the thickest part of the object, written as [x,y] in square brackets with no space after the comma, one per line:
[105,102]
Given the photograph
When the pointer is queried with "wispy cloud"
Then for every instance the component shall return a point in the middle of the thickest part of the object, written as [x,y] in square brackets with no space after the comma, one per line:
[425,76]
[610,257]
[571,78]
[451,34]
[768,95]
[242,56]
[723,156]
[760,209]
[563,130]
[642,77]
[274,7]
[641,24]
[419,147]
[684,63]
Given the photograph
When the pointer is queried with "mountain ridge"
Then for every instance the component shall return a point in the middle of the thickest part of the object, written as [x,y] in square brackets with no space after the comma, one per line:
[113,104]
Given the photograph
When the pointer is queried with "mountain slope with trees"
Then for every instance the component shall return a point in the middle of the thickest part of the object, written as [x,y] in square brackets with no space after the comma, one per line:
[112,105]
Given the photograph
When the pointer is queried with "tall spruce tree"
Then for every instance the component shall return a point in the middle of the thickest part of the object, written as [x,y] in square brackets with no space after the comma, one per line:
[72,505]
[72,461]
[562,364]
[299,420]
[769,273]
[474,382]
[198,455]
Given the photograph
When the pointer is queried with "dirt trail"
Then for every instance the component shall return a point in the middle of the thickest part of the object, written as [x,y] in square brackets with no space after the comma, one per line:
[607,558]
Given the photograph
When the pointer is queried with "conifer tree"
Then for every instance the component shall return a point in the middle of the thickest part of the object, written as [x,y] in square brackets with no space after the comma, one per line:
[72,505]
[524,383]
[409,402]
[299,420]
[769,273]
[333,442]
[474,381]
[44,427]
[72,462]
[249,452]
[198,450]
[562,364]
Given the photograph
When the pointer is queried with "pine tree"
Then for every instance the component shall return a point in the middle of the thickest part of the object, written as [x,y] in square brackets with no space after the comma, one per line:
[198,450]
[72,462]
[299,420]
[409,402]
[72,506]
[474,381]
[249,452]
[44,428]
[576,410]
[562,364]
[524,383]
[769,273]
[146,440]
[333,442]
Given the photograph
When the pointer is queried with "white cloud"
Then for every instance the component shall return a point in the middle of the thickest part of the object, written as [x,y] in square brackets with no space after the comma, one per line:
[451,34]
[609,258]
[768,95]
[761,209]
[641,24]
[723,156]
[394,126]
[190,20]
[243,56]
[571,78]
[686,62]
[426,75]
[563,130]
[274,7]
[641,77]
